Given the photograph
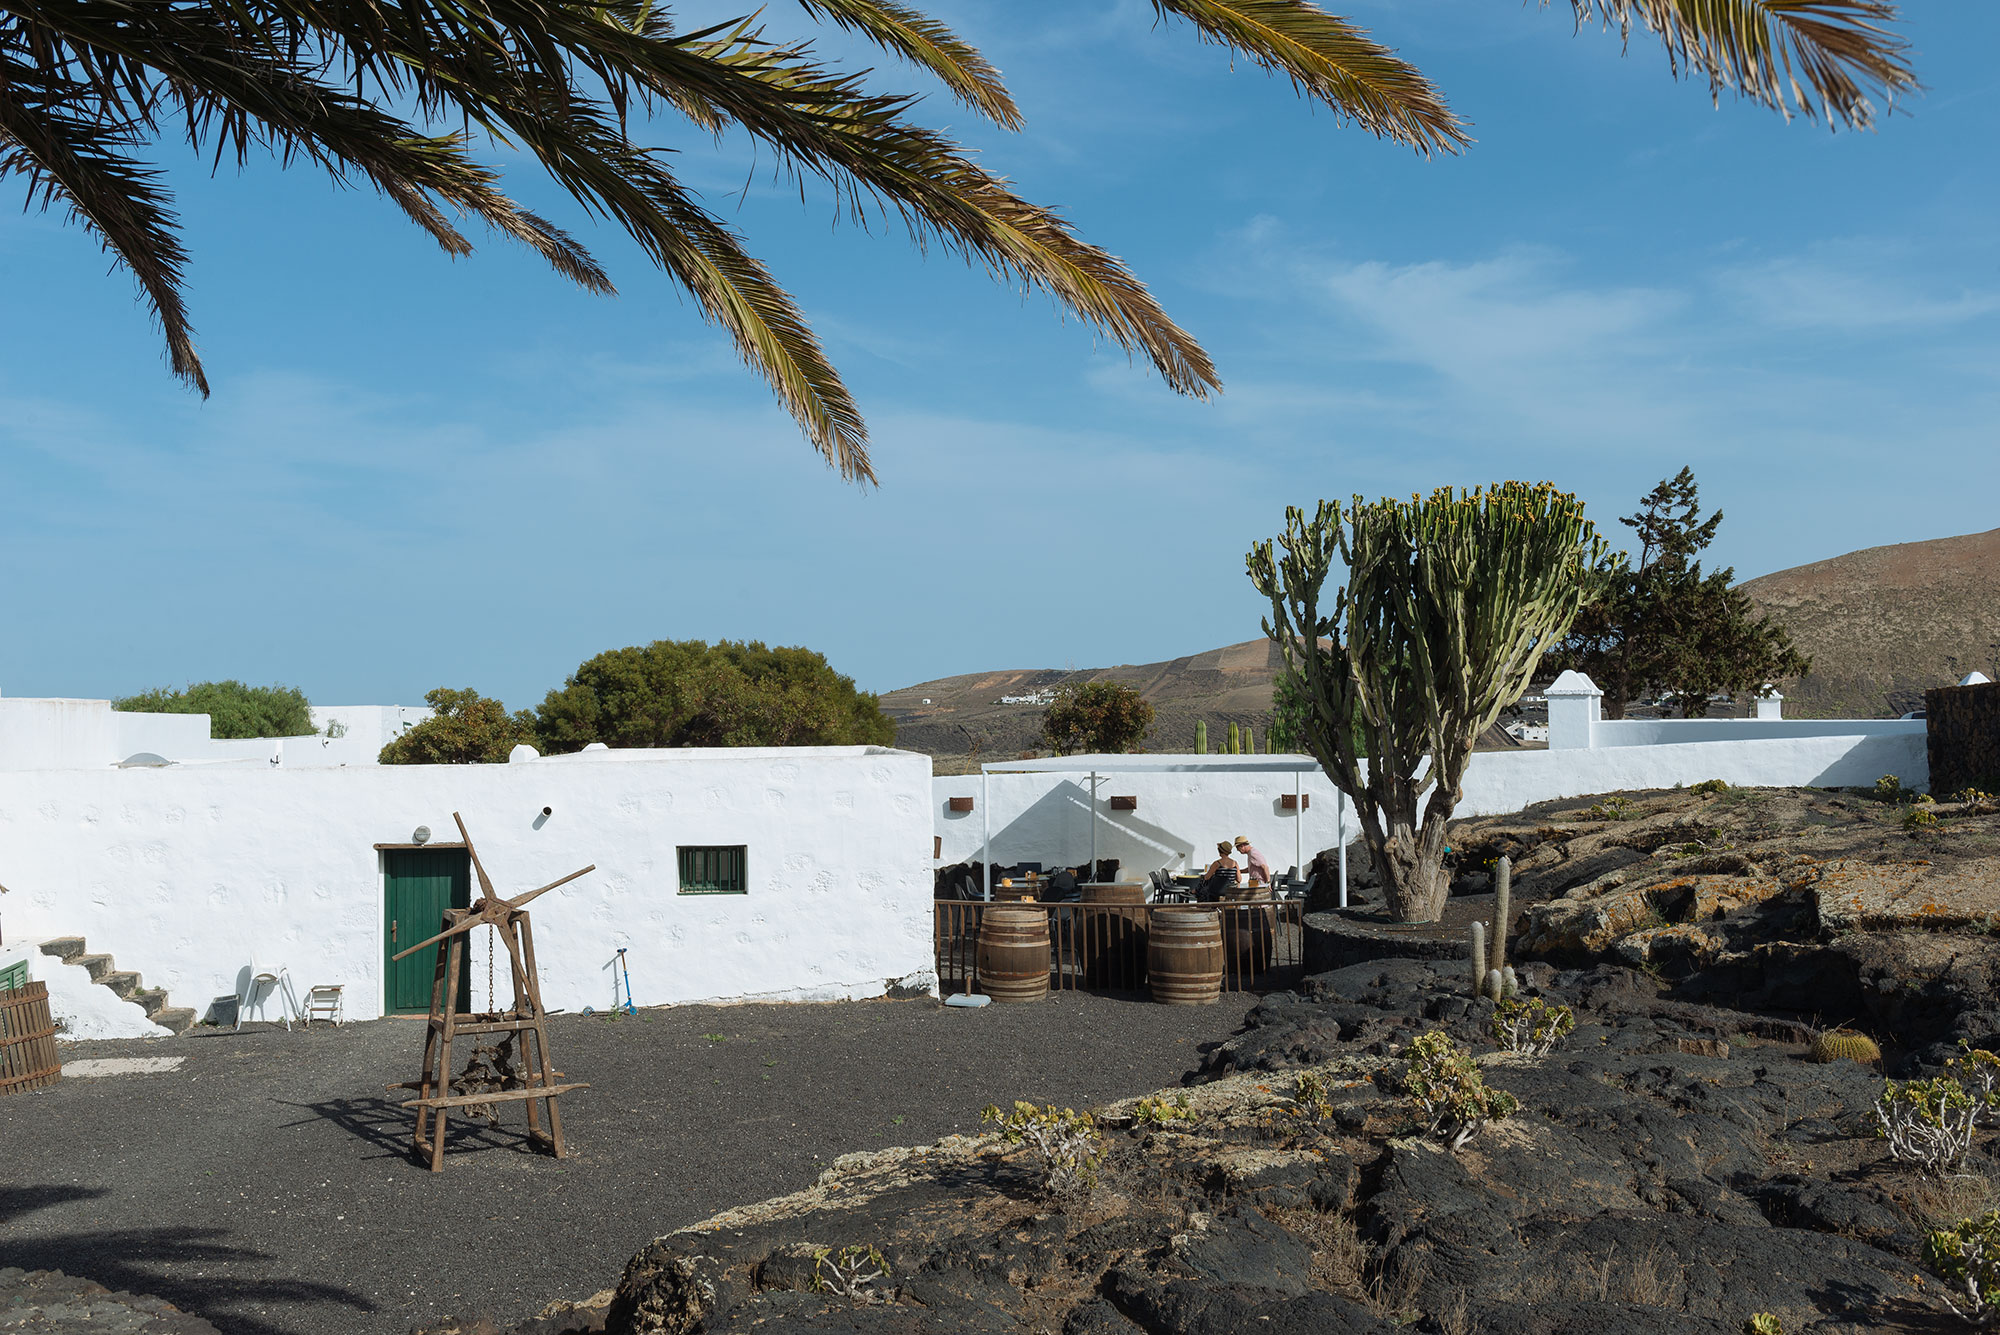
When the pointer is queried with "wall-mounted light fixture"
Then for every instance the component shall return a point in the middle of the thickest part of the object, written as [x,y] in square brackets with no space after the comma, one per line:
[548,811]
[960,804]
[1124,804]
[1295,801]
[421,835]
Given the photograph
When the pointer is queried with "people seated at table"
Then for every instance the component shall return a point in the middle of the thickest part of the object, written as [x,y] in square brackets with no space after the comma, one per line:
[1258,867]
[1220,875]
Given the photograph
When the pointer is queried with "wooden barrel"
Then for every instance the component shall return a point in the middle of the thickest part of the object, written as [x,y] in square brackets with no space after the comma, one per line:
[1014,952]
[1184,956]
[1248,933]
[1112,945]
[1019,890]
[28,1057]
[1112,892]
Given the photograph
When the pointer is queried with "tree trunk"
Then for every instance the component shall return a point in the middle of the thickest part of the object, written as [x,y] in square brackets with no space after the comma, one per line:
[1411,858]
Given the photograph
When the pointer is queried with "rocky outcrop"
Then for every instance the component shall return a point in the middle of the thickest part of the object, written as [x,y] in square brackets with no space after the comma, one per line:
[48,1302]
[1672,1169]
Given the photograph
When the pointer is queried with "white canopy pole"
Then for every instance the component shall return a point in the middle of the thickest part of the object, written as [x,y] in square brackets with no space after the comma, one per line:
[1093,825]
[1340,814]
[1299,820]
[986,834]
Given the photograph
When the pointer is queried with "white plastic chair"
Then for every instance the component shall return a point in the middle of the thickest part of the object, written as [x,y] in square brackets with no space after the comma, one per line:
[323,1002]
[276,982]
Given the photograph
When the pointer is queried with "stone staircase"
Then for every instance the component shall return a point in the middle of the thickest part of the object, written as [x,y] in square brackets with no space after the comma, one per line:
[104,970]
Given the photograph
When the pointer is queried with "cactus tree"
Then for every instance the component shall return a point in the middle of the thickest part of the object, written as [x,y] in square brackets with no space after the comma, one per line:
[1450,602]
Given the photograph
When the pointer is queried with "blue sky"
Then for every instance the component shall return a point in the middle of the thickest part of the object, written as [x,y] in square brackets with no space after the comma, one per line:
[417,472]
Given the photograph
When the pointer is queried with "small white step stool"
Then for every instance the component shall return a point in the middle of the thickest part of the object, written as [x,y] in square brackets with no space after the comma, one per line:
[323,1002]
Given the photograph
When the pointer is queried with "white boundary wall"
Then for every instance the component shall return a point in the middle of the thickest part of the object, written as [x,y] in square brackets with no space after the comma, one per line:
[44,733]
[1181,814]
[190,875]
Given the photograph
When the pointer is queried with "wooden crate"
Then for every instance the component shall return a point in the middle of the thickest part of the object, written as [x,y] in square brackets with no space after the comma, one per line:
[27,1040]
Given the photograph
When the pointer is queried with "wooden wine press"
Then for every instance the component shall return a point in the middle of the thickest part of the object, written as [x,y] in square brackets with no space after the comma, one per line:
[517,1069]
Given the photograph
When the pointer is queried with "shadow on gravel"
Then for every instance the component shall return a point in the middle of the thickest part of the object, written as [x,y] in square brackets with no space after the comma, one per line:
[387,1125]
[26,1200]
[179,1265]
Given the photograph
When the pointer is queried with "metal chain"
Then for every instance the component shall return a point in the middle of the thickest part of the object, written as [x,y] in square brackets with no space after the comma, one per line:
[491,939]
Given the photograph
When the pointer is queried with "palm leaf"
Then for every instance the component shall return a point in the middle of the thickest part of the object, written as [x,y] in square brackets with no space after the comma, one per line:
[81,162]
[1813,57]
[925,42]
[1331,60]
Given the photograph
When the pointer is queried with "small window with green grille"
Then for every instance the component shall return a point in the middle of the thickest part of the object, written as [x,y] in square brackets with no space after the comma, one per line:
[14,975]
[713,871]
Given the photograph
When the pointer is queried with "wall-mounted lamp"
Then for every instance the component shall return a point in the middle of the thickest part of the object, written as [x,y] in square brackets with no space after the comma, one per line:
[1124,804]
[1295,801]
[421,835]
[548,811]
[960,804]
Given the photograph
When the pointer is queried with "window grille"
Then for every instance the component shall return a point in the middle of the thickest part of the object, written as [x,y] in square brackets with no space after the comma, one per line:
[713,870]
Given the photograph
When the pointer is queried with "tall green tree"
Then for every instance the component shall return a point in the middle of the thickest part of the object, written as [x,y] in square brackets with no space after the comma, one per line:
[465,728]
[1096,718]
[691,693]
[1664,626]
[233,709]
[399,94]
[1449,603]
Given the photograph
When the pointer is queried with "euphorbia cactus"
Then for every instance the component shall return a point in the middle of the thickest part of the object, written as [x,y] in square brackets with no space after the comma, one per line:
[1450,602]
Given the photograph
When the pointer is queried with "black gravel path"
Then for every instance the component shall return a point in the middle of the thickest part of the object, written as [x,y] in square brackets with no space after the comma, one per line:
[267,1185]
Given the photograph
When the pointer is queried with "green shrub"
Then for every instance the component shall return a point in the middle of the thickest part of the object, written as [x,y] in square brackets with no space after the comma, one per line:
[1919,818]
[857,1272]
[1532,1026]
[1067,1144]
[1763,1323]
[1159,1112]
[1312,1097]
[1612,808]
[1889,788]
[1967,1257]
[1447,1093]
[1931,1123]
[233,709]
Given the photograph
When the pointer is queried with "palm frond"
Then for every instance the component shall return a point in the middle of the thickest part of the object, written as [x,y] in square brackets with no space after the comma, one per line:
[83,163]
[1812,58]
[1329,59]
[925,42]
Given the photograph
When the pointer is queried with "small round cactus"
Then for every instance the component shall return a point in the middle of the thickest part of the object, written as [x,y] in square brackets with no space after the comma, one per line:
[1836,1044]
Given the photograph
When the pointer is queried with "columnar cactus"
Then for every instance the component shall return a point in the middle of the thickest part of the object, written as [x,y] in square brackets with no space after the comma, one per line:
[1235,740]
[1478,957]
[1201,737]
[1503,906]
[1449,603]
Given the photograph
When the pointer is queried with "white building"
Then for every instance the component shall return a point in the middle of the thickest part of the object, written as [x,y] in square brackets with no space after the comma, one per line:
[40,733]
[1154,811]
[728,875]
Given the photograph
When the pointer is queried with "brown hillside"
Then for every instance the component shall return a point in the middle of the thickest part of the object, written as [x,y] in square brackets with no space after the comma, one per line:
[1227,685]
[1885,623]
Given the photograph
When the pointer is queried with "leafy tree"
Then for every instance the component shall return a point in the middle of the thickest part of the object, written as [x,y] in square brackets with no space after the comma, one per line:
[1096,718]
[1450,601]
[87,86]
[465,728]
[691,693]
[1666,626]
[233,709]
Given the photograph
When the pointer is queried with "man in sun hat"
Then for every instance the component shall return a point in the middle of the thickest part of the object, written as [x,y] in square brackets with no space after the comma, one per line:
[1260,870]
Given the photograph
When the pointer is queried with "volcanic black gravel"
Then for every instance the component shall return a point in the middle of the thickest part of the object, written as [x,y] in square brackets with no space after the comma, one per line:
[267,1183]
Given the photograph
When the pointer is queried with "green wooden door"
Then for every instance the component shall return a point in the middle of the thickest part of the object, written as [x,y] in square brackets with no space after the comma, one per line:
[420,884]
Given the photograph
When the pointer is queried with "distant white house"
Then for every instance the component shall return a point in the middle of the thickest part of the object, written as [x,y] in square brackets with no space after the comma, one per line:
[725,874]
[41,733]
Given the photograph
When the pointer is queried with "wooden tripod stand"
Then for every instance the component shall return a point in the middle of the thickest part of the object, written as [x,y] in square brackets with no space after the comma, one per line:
[532,1081]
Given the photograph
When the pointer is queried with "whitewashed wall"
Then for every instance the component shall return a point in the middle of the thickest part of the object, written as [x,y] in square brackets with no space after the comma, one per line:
[45,733]
[1680,731]
[1181,815]
[190,875]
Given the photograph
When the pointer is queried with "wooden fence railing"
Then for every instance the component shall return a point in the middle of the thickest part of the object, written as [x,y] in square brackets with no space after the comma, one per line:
[27,1040]
[1103,946]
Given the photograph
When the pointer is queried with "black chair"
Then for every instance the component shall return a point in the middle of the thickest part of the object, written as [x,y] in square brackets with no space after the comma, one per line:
[1024,868]
[1060,888]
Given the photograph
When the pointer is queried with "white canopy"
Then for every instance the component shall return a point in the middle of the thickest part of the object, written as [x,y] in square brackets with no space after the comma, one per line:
[1297,766]
[1155,764]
